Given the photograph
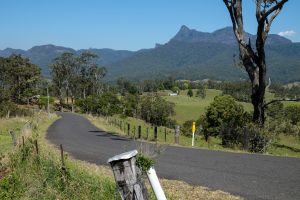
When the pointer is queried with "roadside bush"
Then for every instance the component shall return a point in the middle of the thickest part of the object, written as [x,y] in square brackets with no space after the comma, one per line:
[256,139]
[222,110]
[43,101]
[156,110]
[11,109]
[275,110]
[292,113]
[187,128]
[107,104]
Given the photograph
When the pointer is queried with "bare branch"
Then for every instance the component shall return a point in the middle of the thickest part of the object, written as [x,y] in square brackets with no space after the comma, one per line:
[279,100]
[272,9]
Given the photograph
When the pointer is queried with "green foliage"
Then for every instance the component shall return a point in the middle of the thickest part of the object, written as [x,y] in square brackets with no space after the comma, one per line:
[275,110]
[285,92]
[130,105]
[240,90]
[201,92]
[144,163]
[175,89]
[156,110]
[190,93]
[43,101]
[222,110]
[107,104]
[186,128]
[42,177]
[76,76]
[292,113]
[18,79]
[11,109]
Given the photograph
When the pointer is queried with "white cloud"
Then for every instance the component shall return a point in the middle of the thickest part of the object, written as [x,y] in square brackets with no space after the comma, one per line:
[287,33]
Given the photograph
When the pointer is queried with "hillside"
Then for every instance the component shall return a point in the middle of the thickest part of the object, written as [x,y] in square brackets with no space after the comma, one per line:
[197,55]
[190,54]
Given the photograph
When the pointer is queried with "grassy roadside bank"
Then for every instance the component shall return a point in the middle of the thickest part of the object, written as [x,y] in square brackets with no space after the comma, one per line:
[284,145]
[41,176]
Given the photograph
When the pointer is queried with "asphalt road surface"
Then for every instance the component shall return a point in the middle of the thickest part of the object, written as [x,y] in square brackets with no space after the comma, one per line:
[248,175]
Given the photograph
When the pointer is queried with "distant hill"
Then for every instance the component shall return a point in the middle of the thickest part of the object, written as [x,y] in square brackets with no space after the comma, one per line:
[190,54]
[44,55]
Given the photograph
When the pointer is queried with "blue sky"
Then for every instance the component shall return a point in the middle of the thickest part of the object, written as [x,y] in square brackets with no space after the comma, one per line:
[123,24]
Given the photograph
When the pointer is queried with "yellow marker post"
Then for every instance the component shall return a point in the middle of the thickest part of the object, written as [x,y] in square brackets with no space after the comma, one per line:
[193,131]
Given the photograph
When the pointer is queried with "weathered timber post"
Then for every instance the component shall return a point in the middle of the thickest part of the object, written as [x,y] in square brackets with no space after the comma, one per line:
[165,134]
[62,158]
[23,141]
[13,137]
[155,133]
[147,133]
[128,176]
[139,131]
[177,134]
[36,147]
[128,129]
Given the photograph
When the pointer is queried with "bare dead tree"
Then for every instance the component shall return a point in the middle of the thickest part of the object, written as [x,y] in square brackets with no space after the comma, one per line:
[254,60]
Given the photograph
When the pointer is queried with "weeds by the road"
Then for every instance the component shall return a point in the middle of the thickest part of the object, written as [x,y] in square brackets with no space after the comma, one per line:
[42,176]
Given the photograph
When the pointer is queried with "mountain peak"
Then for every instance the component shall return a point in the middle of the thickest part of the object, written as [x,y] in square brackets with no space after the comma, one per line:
[223,36]
[184,28]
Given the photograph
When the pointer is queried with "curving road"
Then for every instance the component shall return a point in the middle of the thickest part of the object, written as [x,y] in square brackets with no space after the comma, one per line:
[248,175]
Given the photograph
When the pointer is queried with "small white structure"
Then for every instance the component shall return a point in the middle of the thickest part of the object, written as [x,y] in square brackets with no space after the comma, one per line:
[173,94]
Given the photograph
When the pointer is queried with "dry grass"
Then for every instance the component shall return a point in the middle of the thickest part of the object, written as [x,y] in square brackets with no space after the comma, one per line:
[180,190]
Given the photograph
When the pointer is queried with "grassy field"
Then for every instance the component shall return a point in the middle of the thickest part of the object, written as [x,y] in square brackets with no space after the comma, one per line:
[6,125]
[190,108]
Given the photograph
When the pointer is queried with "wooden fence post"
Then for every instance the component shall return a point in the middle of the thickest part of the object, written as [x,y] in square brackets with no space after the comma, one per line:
[155,133]
[23,141]
[128,129]
[165,134]
[177,133]
[147,133]
[140,132]
[13,137]
[133,132]
[36,147]
[128,176]
[62,157]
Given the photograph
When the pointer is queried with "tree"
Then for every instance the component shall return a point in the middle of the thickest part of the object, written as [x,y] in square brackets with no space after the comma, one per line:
[190,93]
[201,91]
[19,78]
[222,110]
[254,61]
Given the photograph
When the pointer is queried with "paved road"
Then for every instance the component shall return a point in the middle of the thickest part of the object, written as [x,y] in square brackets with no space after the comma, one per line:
[250,176]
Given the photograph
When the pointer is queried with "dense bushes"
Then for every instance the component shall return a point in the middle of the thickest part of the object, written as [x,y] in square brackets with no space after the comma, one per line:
[9,109]
[227,120]
[152,109]
[106,104]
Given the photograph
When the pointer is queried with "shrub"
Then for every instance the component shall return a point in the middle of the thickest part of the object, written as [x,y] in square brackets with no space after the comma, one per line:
[222,110]
[292,113]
